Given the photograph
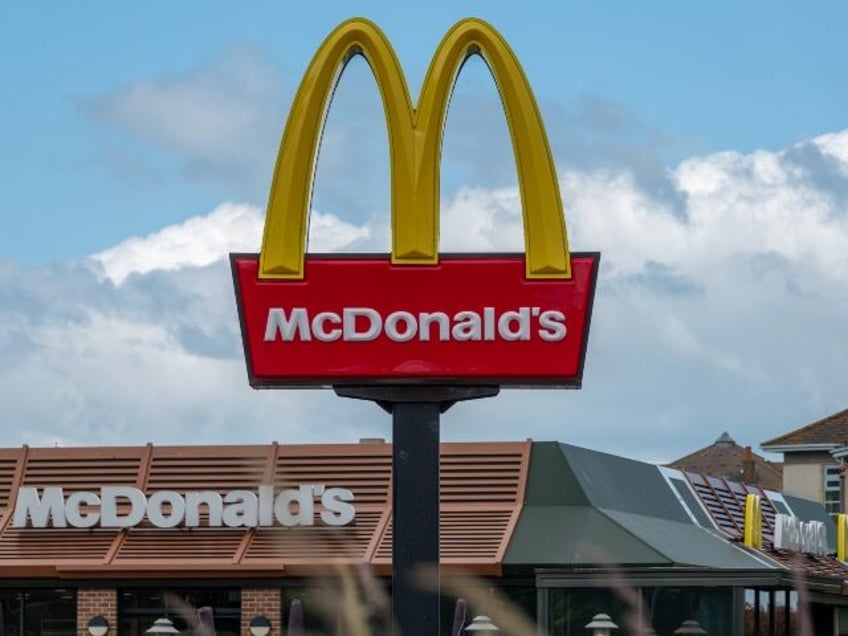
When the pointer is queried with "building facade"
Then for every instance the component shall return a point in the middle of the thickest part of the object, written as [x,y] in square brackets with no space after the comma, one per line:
[134,535]
[813,460]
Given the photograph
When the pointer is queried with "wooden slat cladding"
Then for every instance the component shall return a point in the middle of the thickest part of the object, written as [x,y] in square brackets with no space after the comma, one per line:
[9,459]
[365,469]
[81,469]
[50,545]
[481,490]
[220,468]
[464,535]
[305,544]
[182,544]
[474,479]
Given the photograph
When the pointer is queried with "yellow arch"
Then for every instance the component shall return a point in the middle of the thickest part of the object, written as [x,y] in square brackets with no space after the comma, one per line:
[415,140]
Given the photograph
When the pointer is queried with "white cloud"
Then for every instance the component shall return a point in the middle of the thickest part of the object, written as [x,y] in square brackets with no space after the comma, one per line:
[203,240]
[210,113]
[729,315]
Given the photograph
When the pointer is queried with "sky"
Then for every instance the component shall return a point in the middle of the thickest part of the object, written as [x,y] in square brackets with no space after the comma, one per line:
[702,148]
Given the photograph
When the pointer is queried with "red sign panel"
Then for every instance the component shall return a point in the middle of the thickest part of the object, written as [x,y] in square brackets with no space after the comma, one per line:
[469,320]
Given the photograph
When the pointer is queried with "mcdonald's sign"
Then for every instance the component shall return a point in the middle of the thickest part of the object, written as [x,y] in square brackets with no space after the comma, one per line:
[414,316]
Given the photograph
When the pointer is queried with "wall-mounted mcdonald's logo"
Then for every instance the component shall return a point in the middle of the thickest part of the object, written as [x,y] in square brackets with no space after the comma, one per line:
[415,315]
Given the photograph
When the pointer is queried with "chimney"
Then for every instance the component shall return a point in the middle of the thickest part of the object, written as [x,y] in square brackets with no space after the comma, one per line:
[748,472]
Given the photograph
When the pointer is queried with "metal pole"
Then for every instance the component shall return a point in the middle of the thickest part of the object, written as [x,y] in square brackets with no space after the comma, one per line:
[415,502]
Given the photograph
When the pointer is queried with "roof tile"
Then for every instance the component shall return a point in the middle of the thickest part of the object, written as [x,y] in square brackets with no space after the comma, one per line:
[832,429]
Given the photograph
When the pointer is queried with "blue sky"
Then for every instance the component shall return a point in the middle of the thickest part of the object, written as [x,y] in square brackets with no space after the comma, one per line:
[710,76]
[702,147]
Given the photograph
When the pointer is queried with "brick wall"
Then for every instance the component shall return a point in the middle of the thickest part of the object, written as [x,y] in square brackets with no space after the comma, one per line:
[91,602]
[261,602]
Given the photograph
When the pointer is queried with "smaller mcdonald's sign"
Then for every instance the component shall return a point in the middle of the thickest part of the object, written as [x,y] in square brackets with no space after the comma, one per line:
[414,316]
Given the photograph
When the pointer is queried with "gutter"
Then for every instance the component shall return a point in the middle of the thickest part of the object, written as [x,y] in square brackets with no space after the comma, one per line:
[798,448]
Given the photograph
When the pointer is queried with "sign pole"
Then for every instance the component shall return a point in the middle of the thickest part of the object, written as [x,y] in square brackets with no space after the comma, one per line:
[415,519]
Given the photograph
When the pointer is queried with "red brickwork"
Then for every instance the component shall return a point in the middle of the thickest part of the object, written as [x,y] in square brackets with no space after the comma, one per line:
[265,602]
[91,602]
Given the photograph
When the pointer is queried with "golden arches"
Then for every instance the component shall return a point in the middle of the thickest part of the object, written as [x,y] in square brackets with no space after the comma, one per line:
[415,140]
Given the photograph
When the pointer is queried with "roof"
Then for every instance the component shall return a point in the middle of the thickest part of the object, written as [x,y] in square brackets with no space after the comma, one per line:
[506,507]
[482,487]
[832,430]
[726,459]
[585,507]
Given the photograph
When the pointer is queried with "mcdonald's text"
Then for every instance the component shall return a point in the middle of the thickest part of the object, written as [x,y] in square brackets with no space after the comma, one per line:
[366,324]
[126,506]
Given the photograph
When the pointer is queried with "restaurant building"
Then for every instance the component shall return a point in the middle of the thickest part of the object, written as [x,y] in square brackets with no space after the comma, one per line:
[136,534]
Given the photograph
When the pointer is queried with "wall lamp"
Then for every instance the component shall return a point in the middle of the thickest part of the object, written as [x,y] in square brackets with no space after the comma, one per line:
[481,625]
[98,626]
[601,625]
[259,626]
[163,625]
[690,627]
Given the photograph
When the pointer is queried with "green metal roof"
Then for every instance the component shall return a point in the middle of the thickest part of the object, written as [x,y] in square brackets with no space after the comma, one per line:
[686,543]
[575,535]
[584,507]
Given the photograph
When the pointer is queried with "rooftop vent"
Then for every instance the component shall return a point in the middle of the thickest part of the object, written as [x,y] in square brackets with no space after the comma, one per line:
[725,440]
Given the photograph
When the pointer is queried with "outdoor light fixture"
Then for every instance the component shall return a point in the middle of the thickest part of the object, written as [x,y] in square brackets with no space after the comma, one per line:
[601,625]
[98,626]
[163,626]
[690,627]
[259,626]
[482,625]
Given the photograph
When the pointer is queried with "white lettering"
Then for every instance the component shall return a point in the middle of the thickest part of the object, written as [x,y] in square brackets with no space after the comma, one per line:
[279,323]
[126,506]
[159,516]
[266,506]
[409,330]
[241,509]
[790,533]
[488,323]
[305,515]
[350,316]
[551,325]
[515,325]
[214,507]
[365,324]
[109,517]
[338,511]
[51,506]
[426,319]
[319,328]
[75,516]
[467,326]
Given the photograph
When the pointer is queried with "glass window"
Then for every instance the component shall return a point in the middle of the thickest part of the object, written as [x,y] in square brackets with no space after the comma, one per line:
[139,608]
[321,608]
[320,615]
[770,612]
[663,608]
[667,607]
[571,609]
[34,612]
[833,489]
